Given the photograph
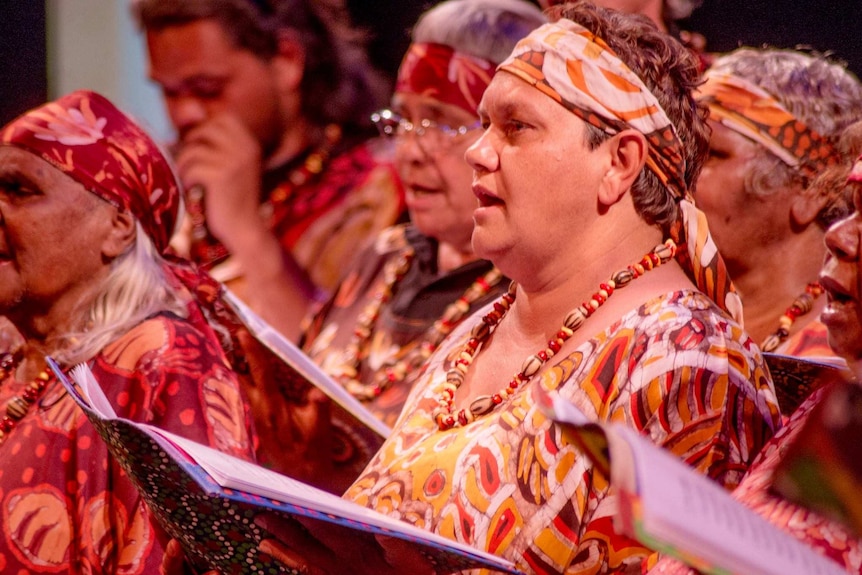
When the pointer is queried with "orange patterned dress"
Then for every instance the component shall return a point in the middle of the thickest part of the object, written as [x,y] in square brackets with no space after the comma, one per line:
[65,505]
[677,369]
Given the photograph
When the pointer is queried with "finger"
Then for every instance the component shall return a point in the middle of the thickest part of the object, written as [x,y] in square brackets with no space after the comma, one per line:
[293,546]
[173,563]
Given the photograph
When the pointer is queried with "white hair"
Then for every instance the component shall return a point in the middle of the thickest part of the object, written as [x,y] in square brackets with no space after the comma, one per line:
[487,29]
[135,289]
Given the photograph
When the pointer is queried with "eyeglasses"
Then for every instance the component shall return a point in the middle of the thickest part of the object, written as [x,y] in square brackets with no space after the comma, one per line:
[432,135]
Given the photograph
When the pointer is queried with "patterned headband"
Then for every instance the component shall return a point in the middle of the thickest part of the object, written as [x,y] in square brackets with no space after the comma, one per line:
[86,137]
[750,111]
[578,70]
[570,64]
[438,71]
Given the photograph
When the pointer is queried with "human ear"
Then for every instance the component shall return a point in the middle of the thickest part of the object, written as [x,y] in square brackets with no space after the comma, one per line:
[807,204]
[121,234]
[289,62]
[628,151]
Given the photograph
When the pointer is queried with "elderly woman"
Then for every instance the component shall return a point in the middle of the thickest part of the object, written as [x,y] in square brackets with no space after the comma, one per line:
[416,282]
[841,277]
[620,304]
[87,205]
[776,117]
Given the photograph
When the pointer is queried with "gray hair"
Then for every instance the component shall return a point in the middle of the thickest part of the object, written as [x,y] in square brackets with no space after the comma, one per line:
[487,29]
[135,289]
[821,93]
[679,9]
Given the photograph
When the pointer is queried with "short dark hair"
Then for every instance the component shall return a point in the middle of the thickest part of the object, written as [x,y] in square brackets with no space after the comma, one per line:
[671,72]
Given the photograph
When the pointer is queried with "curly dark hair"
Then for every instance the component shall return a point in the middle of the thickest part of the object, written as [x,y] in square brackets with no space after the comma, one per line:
[339,84]
[671,72]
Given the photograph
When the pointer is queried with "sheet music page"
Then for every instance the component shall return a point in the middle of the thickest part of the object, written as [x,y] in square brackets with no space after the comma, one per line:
[298,360]
[698,516]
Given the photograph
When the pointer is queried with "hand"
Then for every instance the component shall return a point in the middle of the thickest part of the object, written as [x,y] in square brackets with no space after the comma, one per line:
[223,158]
[174,561]
[321,548]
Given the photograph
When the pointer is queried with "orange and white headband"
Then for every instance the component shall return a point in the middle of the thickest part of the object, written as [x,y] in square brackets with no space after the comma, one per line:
[578,70]
[442,73]
[570,64]
[750,111]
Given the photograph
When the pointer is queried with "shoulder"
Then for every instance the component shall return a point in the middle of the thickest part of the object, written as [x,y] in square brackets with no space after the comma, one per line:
[157,335]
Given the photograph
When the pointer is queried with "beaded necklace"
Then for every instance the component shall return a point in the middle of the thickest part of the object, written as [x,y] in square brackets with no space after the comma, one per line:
[358,349]
[18,406]
[444,415]
[800,306]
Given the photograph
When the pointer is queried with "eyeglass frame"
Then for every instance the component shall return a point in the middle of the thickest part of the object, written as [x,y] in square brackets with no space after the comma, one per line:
[391,125]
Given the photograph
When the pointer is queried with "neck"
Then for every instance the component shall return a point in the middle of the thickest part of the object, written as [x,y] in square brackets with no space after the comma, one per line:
[769,281]
[451,257]
[299,136]
[45,329]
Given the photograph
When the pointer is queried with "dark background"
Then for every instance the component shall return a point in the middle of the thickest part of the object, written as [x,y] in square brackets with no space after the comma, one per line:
[825,25]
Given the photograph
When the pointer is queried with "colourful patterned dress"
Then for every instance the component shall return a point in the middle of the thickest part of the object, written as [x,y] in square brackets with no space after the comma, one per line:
[677,369]
[418,300]
[323,221]
[825,536]
[66,505]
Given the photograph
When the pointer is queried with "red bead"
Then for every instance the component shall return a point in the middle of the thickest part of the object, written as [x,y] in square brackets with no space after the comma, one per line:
[499,307]
[554,346]
[514,383]
[562,335]
[462,417]
[607,288]
[496,399]
[462,361]
[543,355]
[483,283]
[473,343]
[522,377]
[7,424]
[655,259]
[599,298]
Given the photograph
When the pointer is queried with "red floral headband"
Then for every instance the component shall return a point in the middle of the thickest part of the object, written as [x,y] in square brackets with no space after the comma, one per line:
[86,137]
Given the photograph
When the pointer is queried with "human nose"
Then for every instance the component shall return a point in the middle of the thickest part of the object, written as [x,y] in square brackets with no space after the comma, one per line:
[186,112]
[842,239]
[481,154]
[409,149]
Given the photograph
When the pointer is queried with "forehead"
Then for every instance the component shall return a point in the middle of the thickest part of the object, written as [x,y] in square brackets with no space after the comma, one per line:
[198,47]
[19,164]
[508,95]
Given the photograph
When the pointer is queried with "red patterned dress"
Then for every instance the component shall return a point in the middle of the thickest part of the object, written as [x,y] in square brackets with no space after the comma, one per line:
[66,505]
[677,369]
[326,218]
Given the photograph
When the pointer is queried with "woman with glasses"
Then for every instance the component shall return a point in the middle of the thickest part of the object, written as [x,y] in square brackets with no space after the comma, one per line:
[408,289]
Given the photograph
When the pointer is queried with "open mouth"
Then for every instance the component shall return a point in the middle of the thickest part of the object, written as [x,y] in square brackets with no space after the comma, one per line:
[835,292]
[485,198]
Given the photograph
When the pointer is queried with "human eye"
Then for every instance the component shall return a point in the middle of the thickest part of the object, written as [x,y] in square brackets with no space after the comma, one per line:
[14,188]
[514,127]
[208,88]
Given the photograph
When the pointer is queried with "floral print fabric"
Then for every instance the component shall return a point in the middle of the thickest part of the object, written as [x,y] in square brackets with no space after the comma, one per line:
[444,74]
[676,369]
[86,137]
[65,505]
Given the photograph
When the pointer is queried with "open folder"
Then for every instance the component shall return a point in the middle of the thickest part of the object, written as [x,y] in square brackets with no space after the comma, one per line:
[671,508]
[208,500]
